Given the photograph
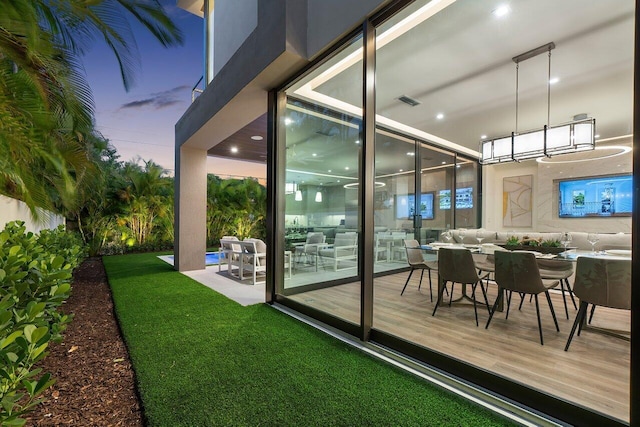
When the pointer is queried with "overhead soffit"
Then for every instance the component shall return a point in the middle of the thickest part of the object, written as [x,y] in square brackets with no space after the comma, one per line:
[475,86]
[247,148]
[194,6]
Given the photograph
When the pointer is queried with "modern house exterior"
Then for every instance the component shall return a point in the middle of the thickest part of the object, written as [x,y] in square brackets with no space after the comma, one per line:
[388,121]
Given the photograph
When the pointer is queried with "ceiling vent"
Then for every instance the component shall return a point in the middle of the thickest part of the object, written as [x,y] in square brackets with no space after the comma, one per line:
[409,101]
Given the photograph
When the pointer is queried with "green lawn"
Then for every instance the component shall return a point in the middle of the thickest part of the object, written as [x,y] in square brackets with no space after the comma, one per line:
[202,359]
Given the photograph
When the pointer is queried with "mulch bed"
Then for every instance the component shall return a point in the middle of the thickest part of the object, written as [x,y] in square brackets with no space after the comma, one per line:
[95,383]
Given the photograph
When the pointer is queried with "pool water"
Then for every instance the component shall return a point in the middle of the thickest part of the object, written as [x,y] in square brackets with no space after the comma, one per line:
[210,258]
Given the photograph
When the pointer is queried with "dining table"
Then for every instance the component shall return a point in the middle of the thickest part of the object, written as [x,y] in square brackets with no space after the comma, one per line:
[430,252]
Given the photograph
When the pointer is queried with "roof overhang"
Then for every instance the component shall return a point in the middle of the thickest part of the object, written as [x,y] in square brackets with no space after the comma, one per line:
[194,6]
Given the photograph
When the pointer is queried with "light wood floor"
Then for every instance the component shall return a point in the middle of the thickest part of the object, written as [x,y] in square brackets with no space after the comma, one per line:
[594,373]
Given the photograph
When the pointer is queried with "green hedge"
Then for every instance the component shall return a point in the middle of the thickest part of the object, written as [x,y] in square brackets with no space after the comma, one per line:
[35,279]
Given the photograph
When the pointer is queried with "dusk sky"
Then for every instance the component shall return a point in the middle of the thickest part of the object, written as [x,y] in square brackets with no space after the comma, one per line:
[141,122]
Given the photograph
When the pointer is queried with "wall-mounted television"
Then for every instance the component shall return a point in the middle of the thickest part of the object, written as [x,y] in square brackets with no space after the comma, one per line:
[598,196]
[464,198]
[406,206]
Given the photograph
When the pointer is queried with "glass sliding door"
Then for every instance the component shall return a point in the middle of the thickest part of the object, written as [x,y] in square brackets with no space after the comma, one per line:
[466,194]
[436,177]
[321,151]
[395,201]
[445,77]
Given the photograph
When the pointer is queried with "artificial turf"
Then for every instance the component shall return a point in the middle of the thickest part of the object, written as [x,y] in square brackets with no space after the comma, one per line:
[204,360]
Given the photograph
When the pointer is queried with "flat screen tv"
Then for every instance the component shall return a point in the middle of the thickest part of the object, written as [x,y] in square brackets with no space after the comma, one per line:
[464,198]
[598,196]
[406,206]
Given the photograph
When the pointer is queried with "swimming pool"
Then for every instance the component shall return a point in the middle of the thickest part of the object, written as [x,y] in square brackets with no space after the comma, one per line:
[210,258]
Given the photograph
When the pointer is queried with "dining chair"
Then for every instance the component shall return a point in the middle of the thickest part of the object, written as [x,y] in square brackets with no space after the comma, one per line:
[517,271]
[456,265]
[417,262]
[604,282]
[561,271]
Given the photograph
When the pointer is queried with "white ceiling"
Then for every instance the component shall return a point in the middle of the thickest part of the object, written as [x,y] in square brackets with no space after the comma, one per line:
[459,63]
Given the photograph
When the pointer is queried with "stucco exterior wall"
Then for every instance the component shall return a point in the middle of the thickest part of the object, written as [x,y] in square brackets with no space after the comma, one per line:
[233,22]
[328,20]
[15,210]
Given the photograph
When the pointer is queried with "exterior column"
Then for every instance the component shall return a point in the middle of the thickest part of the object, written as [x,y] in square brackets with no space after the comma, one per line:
[190,209]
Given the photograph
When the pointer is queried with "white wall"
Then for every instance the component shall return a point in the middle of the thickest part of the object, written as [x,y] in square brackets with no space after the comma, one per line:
[15,210]
[545,193]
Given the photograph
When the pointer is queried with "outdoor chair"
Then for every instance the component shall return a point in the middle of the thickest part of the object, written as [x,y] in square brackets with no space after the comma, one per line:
[397,245]
[229,253]
[517,271]
[309,249]
[255,259]
[382,245]
[344,250]
[603,282]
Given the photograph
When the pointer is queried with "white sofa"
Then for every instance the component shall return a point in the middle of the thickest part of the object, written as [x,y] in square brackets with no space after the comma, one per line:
[578,238]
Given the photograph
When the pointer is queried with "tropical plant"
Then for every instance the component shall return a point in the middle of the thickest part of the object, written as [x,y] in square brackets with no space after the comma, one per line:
[550,243]
[147,197]
[46,111]
[235,207]
[35,276]
[512,241]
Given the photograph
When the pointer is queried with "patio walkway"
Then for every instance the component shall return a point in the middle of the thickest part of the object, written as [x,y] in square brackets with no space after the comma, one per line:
[241,292]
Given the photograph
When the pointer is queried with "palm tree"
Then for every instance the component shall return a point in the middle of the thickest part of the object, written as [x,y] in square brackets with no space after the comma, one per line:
[46,108]
[147,197]
[236,207]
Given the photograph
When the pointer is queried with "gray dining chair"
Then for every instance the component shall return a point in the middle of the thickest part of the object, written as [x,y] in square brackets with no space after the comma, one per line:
[559,270]
[417,262]
[517,271]
[456,265]
[604,282]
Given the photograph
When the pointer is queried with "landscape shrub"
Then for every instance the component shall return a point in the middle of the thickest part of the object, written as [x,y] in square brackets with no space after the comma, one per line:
[35,279]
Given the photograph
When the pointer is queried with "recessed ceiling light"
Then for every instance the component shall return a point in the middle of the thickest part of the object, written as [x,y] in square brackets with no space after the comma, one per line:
[410,153]
[329,171]
[257,138]
[444,163]
[234,149]
[597,135]
[314,154]
[501,11]
[346,168]
[554,80]
[357,141]
[439,116]
[483,136]
[458,166]
[401,170]
[288,121]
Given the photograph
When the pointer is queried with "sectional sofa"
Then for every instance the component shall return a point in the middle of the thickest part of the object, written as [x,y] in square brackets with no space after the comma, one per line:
[578,238]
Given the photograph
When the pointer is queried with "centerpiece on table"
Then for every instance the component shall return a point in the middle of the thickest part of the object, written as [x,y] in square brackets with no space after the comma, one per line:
[533,244]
